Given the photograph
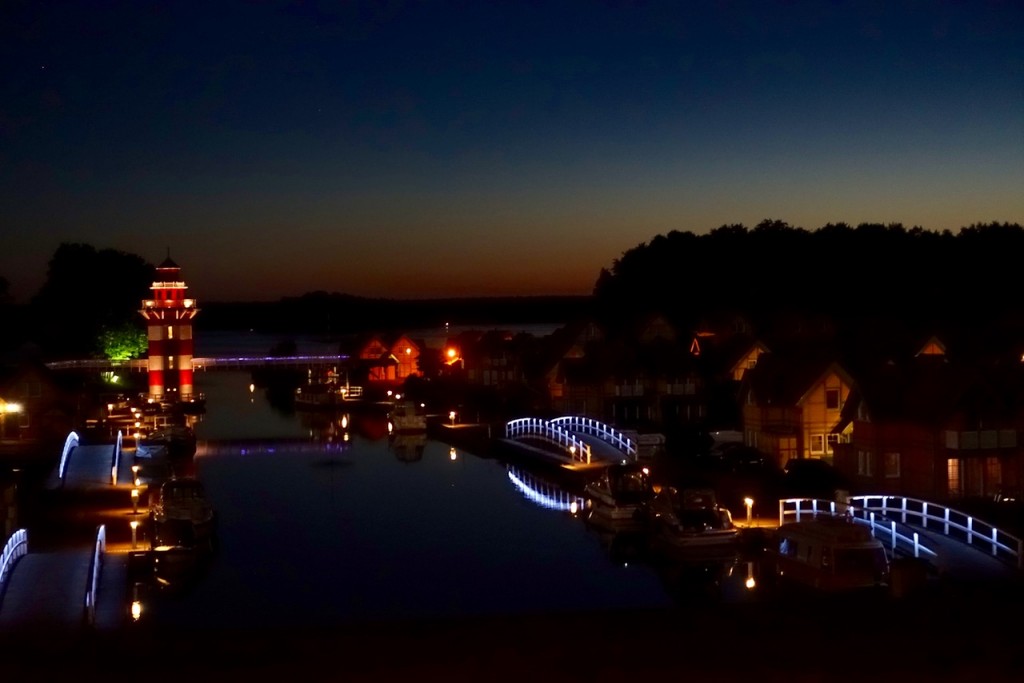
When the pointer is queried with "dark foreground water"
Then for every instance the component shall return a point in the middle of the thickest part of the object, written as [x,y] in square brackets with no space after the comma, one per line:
[364,528]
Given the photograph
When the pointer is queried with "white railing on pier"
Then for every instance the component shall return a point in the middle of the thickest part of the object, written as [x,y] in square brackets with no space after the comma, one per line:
[795,509]
[16,547]
[608,434]
[534,427]
[95,572]
[70,444]
[115,463]
[543,493]
[952,523]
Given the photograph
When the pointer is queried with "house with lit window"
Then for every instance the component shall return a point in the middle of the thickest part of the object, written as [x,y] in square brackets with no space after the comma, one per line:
[934,428]
[792,403]
[389,359]
[35,402]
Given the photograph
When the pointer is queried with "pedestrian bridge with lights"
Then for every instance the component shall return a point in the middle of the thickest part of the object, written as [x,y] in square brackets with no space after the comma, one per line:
[572,441]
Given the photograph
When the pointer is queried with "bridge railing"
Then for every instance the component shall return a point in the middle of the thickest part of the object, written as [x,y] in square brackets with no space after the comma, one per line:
[950,522]
[115,461]
[15,548]
[536,427]
[70,444]
[795,509]
[95,571]
[606,433]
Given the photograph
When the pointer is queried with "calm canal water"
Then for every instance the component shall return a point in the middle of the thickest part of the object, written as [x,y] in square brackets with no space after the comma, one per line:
[357,528]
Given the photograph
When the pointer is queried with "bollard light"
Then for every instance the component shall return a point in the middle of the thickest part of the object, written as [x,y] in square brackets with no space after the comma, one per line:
[135,526]
[135,501]
[451,416]
[749,502]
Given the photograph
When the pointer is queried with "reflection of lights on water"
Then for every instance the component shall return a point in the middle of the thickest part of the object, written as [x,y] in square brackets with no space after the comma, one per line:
[391,427]
[750,582]
[452,454]
[136,610]
[344,421]
[552,497]
[574,507]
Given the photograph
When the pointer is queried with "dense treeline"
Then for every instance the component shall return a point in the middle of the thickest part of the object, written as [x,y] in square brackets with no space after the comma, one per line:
[868,272]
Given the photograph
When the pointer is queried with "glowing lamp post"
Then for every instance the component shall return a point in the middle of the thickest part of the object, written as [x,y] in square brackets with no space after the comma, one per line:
[135,501]
[6,408]
[749,502]
[135,475]
[135,526]
[451,416]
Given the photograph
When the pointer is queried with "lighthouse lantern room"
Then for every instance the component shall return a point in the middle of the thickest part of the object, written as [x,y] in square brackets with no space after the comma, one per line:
[169,330]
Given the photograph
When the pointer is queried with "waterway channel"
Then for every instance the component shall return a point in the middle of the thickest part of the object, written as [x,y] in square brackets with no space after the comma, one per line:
[337,522]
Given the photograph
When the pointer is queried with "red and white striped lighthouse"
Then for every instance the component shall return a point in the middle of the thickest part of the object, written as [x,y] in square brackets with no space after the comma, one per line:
[169,330]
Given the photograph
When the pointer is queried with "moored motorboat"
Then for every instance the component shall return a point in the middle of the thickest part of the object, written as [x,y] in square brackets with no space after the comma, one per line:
[829,554]
[690,520]
[182,512]
[620,492]
[407,418]
[179,441]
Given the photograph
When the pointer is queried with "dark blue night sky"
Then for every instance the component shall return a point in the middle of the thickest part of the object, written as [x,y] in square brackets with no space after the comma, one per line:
[479,148]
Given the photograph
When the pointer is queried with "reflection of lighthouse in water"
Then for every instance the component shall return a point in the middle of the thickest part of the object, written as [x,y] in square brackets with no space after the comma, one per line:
[169,330]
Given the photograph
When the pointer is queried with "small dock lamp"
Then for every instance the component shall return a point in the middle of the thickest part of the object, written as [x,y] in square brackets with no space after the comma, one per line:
[135,501]
[749,502]
[135,525]
[451,416]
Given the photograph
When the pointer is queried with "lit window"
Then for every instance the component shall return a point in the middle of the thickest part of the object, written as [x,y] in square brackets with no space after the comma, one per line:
[170,332]
[955,485]
[892,465]
[832,399]
[817,443]
[864,463]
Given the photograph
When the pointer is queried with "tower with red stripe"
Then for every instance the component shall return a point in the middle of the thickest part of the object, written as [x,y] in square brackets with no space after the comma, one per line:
[169,330]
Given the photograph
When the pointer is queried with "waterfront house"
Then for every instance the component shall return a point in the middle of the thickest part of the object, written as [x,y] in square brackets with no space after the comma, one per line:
[791,403]
[936,428]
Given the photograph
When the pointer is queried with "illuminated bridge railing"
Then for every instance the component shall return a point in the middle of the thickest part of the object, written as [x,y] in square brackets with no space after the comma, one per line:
[537,428]
[898,535]
[95,572]
[231,362]
[70,444]
[16,548]
[951,523]
[543,493]
[591,427]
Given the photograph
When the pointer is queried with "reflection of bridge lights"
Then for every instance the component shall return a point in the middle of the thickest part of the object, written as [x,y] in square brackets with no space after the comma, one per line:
[559,500]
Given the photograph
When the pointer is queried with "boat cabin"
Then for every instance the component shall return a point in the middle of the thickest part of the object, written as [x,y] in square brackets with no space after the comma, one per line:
[830,554]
